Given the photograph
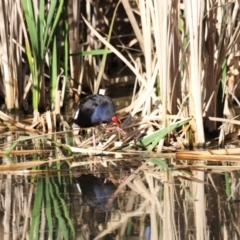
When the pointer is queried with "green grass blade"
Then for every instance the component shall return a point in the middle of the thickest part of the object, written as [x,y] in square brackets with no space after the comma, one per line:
[56,18]
[8,151]
[66,62]
[50,17]
[159,161]
[10,159]
[61,211]
[29,57]
[30,19]
[15,143]
[48,211]
[36,212]
[40,29]
[95,52]
[227,185]
[54,77]
[36,79]
[155,137]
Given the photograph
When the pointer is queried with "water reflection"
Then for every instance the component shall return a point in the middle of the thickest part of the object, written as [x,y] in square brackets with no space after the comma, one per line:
[51,207]
[152,201]
[96,191]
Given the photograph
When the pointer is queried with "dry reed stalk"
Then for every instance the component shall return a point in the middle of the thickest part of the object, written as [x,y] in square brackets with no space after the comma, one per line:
[31,164]
[169,228]
[7,206]
[28,212]
[199,206]
[111,140]
[208,168]
[11,57]
[133,22]
[131,202]
[58,103]
[205,157]
[49,121]
[151,209]
[19,125]
[25,152]
[154,209]
[74,11]
[229,121]
[194,17]
[123,184]
[124,218]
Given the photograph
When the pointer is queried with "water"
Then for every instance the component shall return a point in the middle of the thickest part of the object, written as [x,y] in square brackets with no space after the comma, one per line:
[52,207]
[158,201]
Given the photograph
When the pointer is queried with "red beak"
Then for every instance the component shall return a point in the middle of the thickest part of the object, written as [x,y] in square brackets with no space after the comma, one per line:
[115,120]
[119,129]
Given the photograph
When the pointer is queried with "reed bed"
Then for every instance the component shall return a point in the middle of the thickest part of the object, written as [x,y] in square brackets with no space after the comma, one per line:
[179,60]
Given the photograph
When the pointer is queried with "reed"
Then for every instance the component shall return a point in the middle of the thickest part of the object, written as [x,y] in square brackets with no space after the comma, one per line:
[41,21]
[183,56]
[12,74]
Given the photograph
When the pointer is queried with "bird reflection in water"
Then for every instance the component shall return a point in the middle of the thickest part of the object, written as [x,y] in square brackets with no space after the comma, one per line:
[96,191]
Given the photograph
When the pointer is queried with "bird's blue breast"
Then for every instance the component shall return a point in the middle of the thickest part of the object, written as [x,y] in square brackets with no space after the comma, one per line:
[101,115]
[94,110]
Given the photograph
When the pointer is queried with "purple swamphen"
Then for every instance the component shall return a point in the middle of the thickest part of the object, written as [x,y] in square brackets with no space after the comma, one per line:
[96,110]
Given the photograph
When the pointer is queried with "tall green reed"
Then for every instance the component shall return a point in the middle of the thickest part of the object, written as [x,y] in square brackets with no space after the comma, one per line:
[42,21]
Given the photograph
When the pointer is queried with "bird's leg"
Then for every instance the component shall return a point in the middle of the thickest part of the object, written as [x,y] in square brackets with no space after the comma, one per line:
[119,129]
[117,181]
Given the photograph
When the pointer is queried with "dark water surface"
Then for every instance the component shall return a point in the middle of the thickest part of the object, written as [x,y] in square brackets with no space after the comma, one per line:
[64,206]
[72,199]
[46,206]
